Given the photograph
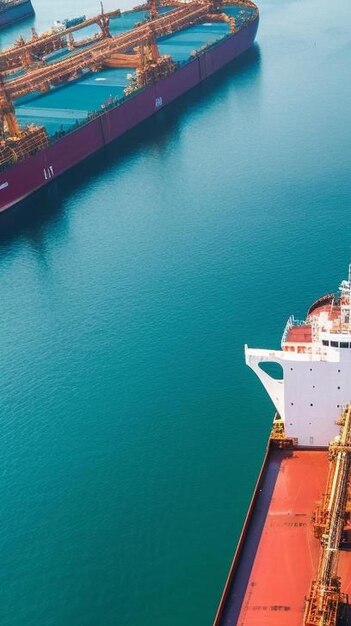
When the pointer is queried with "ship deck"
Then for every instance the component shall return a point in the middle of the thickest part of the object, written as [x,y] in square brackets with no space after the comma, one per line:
[62,108]
[277,555]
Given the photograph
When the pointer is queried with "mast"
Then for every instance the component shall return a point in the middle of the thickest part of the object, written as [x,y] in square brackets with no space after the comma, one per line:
[345,303]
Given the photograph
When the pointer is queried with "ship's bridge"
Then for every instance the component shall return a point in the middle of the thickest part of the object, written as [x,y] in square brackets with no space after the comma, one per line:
[315,358]
[336,340]
[336,344]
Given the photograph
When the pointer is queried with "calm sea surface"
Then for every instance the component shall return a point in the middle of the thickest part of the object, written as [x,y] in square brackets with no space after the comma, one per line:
[131,431]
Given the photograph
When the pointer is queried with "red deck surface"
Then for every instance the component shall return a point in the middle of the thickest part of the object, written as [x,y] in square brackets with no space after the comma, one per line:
[300,334]
[287,555]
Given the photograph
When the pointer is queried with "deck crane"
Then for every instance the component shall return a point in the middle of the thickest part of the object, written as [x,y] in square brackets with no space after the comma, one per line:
[8,120]
[17,142]
[322,604]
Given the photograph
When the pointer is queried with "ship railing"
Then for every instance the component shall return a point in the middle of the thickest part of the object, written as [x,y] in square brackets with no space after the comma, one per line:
[288,325]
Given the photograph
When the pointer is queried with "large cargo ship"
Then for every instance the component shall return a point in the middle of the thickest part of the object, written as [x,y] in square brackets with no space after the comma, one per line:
[149,74]
[292,566]
[14,10]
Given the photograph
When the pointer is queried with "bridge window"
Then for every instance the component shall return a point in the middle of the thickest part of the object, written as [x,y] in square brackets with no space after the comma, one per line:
[344,344]
[334,344]
[325,342]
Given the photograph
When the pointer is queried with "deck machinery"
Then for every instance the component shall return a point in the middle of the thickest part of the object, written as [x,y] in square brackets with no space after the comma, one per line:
[325,598]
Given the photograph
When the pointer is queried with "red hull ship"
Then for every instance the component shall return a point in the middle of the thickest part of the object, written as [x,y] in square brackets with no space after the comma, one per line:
[47,163]
[292,566]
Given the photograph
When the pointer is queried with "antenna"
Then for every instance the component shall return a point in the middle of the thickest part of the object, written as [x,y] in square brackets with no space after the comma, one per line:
[345,302]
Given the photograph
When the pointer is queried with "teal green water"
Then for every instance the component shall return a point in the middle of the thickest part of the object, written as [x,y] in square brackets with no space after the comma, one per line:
[131,431]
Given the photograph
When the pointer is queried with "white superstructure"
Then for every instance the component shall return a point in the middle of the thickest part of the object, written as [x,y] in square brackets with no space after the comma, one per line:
[315,357]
